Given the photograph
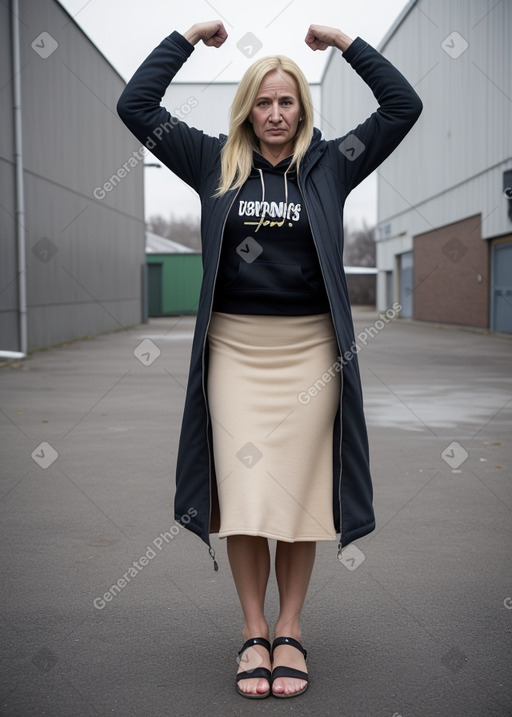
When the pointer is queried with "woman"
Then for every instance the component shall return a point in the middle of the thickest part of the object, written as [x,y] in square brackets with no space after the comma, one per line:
[274,398]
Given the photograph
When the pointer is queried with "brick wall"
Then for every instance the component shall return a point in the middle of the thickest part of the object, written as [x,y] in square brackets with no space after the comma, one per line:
[451,275]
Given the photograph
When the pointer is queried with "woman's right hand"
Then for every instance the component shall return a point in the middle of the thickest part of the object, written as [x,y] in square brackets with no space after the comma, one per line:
[212,33]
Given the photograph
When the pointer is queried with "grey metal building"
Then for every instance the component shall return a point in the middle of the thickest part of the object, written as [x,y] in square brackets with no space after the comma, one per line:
[444,224]
[72,232]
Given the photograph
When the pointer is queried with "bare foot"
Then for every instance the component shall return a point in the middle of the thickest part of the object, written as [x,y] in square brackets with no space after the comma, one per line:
[290,657]
[251,658]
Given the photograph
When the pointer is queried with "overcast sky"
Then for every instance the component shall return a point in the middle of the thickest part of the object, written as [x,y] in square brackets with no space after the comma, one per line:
[127,30]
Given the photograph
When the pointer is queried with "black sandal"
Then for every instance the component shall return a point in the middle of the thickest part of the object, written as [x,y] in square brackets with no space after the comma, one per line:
[256,672]
[283,671]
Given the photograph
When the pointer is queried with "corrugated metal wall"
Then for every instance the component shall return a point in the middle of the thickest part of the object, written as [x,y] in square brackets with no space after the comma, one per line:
[346,101]
[456,56]
[450,166]
[459,149]
[85,244]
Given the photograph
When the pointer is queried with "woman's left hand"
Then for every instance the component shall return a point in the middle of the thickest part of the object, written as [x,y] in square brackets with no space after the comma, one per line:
[320,37]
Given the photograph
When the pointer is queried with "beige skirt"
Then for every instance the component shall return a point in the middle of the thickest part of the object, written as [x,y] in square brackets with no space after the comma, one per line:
[273,392]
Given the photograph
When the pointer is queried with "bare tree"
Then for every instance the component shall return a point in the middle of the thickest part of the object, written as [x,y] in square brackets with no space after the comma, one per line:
[360,251]
[359,246]
[184,230]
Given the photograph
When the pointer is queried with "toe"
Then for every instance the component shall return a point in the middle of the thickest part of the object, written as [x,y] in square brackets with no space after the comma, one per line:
[254,686]
[263,686]
[288,686]
[244,686]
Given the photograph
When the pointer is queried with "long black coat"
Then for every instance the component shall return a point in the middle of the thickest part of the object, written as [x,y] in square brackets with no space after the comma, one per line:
[327,174]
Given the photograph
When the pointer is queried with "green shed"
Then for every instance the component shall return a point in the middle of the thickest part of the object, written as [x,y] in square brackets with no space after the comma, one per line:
[174,274]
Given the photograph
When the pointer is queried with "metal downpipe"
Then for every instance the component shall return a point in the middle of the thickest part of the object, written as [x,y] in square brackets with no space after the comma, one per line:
[20,195]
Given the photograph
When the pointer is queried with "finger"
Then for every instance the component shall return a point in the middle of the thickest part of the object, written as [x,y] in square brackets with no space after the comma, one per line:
[221,35]
[217,40]
[221,32]
[310,40]
[216,35]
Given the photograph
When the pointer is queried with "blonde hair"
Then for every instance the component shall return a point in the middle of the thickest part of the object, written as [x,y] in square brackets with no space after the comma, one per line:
[236,157]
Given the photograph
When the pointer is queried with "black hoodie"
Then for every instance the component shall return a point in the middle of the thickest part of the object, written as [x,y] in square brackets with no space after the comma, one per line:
[268,263]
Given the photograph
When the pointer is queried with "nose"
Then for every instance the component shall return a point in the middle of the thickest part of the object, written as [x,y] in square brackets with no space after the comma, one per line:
[275,112]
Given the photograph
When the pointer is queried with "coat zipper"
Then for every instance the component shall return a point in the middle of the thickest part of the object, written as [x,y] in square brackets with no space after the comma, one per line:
[210,549]
[340,546]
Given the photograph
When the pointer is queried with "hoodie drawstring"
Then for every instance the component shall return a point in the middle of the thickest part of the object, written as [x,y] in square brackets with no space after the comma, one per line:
[285,189]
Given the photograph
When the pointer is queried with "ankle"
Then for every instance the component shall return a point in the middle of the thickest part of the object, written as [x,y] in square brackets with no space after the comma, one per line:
[256,629]
[288,628]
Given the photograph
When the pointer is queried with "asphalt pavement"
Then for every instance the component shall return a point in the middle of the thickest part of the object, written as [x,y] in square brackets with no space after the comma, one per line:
[110,608]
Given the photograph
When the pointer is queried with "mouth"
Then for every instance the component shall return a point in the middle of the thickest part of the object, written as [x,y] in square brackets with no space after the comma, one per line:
[275,130]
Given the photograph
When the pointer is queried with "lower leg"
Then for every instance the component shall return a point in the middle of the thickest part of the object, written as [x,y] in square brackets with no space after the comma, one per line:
[294,565]
[249,559]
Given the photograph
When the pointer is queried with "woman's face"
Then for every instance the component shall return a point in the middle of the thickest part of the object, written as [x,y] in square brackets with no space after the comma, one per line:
[276,111]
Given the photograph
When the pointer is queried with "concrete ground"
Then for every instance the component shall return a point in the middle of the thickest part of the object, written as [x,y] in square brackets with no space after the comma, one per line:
[415,621]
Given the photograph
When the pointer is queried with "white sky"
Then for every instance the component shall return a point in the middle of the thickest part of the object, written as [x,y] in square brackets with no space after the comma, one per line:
[127,30]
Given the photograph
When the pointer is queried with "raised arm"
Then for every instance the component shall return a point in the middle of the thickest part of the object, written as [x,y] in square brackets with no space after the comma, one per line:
[360,151]
[320,37]
[185,150]
[213,33]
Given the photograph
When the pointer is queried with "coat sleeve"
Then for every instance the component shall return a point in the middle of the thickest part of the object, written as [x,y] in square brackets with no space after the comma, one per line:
[186,151]
[364,148]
